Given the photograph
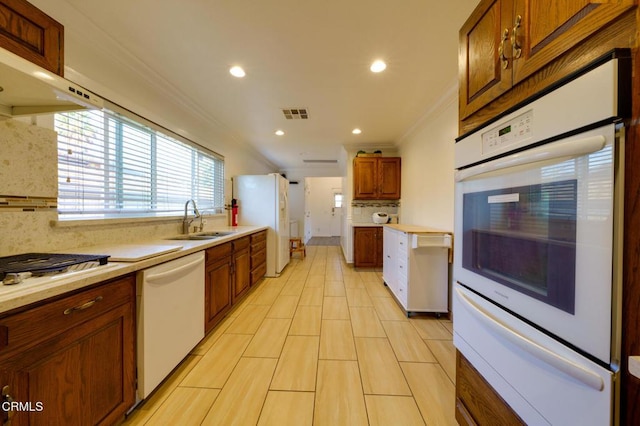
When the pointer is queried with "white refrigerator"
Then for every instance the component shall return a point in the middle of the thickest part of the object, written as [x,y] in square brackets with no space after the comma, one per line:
[263,200]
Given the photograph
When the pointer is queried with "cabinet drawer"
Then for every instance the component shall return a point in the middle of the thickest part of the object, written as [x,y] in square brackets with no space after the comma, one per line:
[258,258]
[257,273]
[35,325]
[258,237]
[241,243]
[402,291]
[215,253]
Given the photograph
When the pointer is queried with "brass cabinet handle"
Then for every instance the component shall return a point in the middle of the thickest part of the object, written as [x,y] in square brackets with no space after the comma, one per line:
[517,48]
[503,59]
[82,307]
[8,414]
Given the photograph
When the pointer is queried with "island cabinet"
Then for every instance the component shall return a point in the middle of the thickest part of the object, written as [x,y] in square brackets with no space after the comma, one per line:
[505,42]
[367,246]
[258,256]
[416,267]
[376,178]
[71,359]
[28,32]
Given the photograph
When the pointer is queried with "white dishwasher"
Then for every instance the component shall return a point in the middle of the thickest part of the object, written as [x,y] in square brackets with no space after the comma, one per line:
[170,301]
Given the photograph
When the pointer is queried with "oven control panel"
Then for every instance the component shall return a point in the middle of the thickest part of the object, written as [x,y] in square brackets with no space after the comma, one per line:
[513,131]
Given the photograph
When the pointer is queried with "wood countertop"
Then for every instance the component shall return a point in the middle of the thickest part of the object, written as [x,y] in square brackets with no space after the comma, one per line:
[415,229]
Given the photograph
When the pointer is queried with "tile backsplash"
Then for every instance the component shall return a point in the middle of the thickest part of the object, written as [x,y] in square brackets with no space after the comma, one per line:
[28,200]
[361,211]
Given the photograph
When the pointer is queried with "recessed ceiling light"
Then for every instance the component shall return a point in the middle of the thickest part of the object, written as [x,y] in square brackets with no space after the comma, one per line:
[356,131]
[279,132]
[237,71]
[378,66]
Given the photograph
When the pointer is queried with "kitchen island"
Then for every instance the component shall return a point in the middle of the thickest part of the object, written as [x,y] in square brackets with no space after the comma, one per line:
[416,267]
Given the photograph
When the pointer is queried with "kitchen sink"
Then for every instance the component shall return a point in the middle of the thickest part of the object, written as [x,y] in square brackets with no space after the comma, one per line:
[202,236]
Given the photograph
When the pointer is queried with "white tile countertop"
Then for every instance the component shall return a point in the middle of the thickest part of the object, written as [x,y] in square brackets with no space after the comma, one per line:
[40,288]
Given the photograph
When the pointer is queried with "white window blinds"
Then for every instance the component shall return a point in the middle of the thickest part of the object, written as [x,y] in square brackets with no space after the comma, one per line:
[110,166]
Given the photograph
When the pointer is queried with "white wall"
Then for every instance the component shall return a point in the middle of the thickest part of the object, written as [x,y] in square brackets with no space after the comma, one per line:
[427,168]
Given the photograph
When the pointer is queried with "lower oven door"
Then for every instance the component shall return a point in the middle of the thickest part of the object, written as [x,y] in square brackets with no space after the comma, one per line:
[535,235]
[543,381]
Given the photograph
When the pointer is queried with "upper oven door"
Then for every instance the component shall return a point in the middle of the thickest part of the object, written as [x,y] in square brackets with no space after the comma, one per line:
[536,232]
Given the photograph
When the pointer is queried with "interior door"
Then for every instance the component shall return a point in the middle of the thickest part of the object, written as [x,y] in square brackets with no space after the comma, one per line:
[336,212]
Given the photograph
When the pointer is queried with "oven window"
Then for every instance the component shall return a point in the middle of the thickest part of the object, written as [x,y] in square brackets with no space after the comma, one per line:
[525,239]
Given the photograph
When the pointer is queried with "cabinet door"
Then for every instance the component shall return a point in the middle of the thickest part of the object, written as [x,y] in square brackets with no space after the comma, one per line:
[217,291]
[84,376]
[365,246]
[241,272]
[390,258]
[379,247]
[485,65]
[28,32]
[365,181]
[542,31]
[389,174]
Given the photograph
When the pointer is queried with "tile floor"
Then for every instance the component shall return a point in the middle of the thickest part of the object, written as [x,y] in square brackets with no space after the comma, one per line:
[322,344]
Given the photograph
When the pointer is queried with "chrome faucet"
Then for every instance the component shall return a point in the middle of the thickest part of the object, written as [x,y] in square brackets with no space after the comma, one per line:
[186,222]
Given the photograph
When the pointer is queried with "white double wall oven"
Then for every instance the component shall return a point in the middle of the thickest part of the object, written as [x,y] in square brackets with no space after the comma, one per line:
[536,295]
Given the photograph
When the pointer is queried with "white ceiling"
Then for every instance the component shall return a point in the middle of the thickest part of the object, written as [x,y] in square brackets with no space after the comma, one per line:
[297,53]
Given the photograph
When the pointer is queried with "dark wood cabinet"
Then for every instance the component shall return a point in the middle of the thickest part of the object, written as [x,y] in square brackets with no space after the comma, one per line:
[74,355]
[218,284]
[476,401]
[241,267]
[258,257]
[505,42]
[230,273]
[376,178]
[367,247]
[28,32]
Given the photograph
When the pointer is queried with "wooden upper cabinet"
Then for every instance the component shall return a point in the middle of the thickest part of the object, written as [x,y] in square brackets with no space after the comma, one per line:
[485,74]
[504,42]
[542,31]
[30,33]
[376,178]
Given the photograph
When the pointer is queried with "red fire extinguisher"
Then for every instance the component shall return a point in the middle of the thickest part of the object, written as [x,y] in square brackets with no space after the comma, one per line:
[234,212]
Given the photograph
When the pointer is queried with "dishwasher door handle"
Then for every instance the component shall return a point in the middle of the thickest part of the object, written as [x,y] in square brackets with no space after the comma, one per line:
[174,273]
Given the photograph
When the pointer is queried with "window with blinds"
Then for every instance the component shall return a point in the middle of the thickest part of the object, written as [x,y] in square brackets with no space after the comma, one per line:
[110,166]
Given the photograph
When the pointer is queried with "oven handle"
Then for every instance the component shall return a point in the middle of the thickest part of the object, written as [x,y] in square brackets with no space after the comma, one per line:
[565,149]
[535,349]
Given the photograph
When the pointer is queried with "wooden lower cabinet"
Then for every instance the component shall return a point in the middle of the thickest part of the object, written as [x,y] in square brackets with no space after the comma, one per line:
[229,276]
[476,401]
[258,256]
[367,246]
[241,267]
[71,359]
[218,282]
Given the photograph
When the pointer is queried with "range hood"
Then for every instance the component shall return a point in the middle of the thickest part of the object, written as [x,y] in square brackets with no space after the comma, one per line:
[27,89]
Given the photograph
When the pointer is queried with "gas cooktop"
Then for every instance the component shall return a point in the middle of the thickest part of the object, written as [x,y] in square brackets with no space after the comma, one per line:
[48,263]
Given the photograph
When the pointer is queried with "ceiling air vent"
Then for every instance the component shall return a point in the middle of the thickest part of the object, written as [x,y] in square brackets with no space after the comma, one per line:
[295,113]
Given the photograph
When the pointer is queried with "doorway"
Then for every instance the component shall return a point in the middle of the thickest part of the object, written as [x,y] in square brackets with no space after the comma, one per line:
[323,210]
